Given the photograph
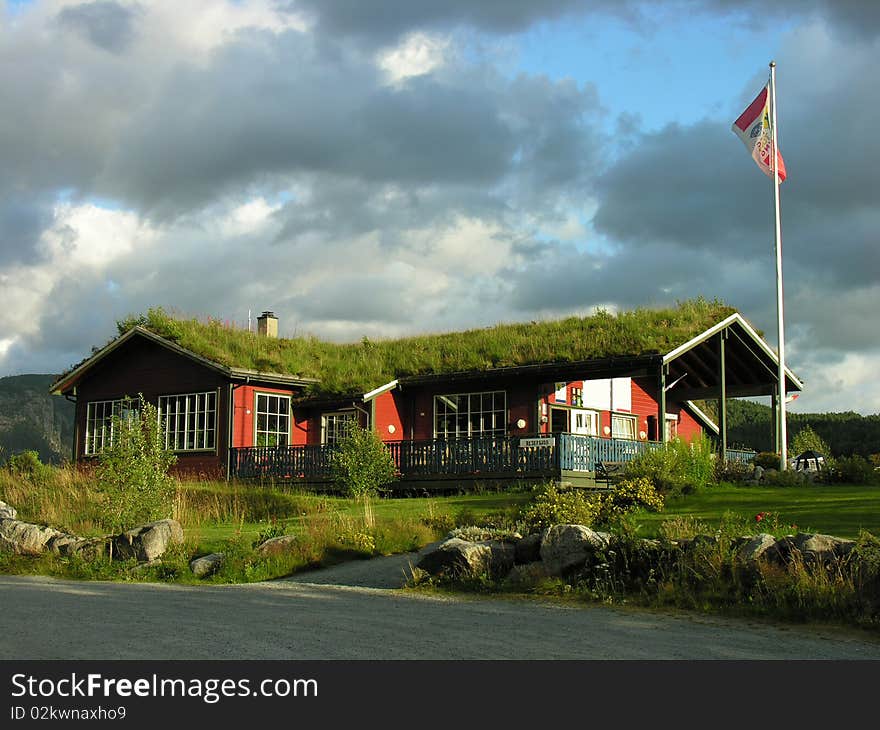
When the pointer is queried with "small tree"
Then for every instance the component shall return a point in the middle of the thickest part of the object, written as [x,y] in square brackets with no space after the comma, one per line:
[132,473]
[362,465]
[807,439]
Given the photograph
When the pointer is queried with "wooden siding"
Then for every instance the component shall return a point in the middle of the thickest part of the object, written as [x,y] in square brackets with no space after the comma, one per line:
[388,412]
[141,366]
[244,413]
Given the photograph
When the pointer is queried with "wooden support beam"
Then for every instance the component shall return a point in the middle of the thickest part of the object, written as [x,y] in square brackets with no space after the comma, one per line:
[722,401]
[661,406]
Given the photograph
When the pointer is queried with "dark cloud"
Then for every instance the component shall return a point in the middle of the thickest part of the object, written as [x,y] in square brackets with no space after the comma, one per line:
[108,25]
[22,222]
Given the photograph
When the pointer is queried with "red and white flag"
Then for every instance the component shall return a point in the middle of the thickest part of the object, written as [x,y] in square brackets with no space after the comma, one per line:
[754,129]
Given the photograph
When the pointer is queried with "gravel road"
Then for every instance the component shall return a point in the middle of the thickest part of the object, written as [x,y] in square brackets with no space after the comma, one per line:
[356,611]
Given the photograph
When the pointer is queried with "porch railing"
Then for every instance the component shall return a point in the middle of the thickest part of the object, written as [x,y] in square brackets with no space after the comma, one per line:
[480,455]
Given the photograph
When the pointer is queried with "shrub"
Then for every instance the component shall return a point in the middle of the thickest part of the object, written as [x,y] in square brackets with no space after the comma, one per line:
[27,465]
[553,506]
[630,495]
[853,469]
[767,460]
[679,467]
[132,473]
[361,465]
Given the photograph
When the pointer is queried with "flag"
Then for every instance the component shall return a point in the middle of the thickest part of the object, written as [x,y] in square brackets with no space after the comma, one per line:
[754,129]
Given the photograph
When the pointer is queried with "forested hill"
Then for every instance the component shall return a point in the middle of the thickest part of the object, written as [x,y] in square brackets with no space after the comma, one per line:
[31,419]
[845,433]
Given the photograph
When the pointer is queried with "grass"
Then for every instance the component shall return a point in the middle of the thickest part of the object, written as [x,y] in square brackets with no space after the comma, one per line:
[840,509]
[345,368]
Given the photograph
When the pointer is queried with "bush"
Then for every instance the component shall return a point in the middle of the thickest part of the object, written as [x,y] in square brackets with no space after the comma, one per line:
[27,465]
[552,506]
[362,464]
[681,467]
[132,473]
[853,469]
[630,495]
[767,460]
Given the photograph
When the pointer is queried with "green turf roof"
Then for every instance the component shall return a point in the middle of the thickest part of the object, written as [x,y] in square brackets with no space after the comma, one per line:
[361,366]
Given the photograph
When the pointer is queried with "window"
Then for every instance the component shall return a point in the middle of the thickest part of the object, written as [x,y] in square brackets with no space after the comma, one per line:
[585,422]
[99,422]
[470,414]
[671,426]
[272,422]
[189,421]
[623,427]
[337,426]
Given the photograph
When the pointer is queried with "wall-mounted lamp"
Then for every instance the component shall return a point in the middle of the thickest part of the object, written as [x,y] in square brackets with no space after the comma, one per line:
[521,423]
[543,419]
[643,435]
[391,428]
[606,430]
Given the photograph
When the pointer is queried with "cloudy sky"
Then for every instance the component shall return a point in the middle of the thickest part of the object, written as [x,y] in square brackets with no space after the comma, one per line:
[399,166]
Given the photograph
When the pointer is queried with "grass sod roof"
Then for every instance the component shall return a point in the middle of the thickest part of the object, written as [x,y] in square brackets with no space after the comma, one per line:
[362,366]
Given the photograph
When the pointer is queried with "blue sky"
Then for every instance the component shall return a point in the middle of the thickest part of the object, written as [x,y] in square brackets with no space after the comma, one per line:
[399,167]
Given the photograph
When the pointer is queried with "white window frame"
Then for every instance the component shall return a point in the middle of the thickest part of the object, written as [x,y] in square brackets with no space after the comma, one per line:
[498,427]
[276,432]
[96,443]
[631,420]
[671,421]
[592,416]
[188,421]
[334,426]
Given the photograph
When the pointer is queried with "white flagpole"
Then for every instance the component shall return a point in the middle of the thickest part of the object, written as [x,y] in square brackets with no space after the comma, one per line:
[783,436]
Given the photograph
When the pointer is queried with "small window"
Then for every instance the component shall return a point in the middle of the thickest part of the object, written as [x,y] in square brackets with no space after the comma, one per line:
[623,427]
[272,421]
[189,421]
[99,422]
[585,422]
[337,426]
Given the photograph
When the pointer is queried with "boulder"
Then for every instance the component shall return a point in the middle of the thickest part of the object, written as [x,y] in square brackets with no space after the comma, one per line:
[458,558]
[7,512]
[206,565]
[527,575]
[276,545]
[564,547]
[821,548]
[147,542]
[762,546]
[528,549]
[24,538]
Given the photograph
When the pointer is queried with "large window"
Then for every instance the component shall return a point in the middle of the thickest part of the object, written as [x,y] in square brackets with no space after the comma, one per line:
[189,421]
[99,422]
[623,427]
[336,426]
[470,414]
[272,423]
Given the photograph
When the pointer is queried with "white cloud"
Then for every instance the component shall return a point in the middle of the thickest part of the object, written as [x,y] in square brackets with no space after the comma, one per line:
[415,55]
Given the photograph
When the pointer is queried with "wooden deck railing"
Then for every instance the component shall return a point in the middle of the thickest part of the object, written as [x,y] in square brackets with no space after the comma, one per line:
[501,456]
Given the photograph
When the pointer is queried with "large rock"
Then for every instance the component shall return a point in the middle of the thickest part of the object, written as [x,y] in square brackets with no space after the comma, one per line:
[564,547]
[206,565]
[762,546]
[527,549]
[24,538]
[7,511]
[147,542]
[277,545]
[821,548]
[456,558]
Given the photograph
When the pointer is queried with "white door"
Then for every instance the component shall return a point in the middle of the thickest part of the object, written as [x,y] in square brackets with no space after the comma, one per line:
[585,423]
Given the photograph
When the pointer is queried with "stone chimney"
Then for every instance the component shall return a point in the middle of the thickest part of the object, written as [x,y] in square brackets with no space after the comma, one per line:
[267,324]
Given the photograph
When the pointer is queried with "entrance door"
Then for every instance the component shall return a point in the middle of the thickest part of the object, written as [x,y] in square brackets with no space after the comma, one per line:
[558,420]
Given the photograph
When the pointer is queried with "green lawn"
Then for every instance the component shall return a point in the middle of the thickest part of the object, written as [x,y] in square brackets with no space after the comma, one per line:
[840,510]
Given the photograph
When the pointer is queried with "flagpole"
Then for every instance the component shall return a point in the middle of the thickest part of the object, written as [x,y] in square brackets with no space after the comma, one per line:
[781,429]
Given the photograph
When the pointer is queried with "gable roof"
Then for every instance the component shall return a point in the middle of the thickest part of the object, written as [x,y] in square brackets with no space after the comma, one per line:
[66,382]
